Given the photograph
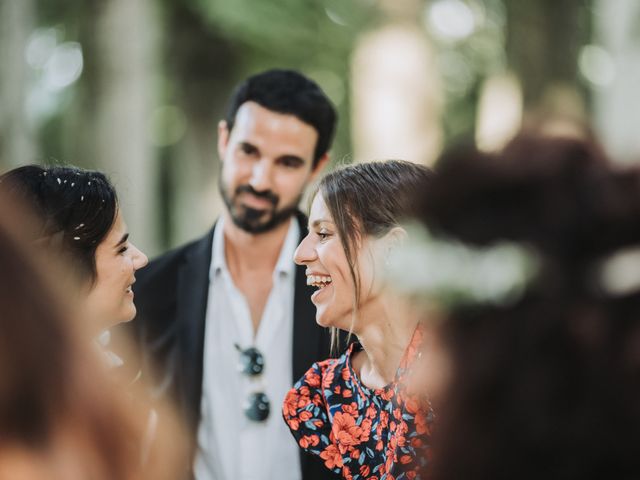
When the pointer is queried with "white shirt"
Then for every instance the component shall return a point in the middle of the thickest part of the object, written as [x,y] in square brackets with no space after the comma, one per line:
[230,446]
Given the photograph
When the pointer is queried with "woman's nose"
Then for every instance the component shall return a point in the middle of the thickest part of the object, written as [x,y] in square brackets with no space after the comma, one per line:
[139,258]
[305,252]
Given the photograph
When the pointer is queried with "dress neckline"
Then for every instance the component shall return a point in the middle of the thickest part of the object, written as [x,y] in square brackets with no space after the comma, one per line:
[410,353]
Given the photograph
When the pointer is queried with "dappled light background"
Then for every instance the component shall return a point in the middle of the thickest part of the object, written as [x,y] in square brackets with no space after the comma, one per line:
[136,88]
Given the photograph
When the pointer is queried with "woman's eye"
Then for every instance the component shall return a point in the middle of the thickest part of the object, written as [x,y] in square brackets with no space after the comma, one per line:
[123,249]
[323,235]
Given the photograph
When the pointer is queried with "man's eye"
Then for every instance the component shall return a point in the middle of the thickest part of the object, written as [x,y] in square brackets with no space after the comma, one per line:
[123,249]
[290,162]
[248,149]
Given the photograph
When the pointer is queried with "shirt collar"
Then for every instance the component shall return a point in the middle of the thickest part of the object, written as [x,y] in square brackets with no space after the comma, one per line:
[218,262]
[285,263]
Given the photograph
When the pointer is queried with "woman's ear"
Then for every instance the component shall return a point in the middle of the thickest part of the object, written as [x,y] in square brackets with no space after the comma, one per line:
[393,239]
[397,235]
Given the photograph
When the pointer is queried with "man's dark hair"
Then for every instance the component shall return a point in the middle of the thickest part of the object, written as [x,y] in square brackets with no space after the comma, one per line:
[288,92]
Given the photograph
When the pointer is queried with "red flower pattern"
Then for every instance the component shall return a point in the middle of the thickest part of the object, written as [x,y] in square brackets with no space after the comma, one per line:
[332,457]
[309,441]
[358,432]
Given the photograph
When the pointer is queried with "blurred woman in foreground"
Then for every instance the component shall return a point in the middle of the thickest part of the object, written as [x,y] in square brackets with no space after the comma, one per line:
[61,415]
[537,268]
[357,412]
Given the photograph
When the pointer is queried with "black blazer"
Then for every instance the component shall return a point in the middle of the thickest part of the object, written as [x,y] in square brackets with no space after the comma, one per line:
[171,297]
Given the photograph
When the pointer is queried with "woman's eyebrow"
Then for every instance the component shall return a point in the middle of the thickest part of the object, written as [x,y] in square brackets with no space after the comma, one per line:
[316,223]
[124,238]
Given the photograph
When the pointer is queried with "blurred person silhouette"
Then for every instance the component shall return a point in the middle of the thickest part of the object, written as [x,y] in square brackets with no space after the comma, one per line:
[76,215]
[62,415]
[227,318]
[533,256]
[358,412]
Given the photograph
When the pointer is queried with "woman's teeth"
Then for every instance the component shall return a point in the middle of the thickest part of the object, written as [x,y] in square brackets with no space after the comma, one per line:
[319,281]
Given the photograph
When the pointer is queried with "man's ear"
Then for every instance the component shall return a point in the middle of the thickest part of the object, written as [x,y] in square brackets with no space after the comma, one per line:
[320,165]
[223,139]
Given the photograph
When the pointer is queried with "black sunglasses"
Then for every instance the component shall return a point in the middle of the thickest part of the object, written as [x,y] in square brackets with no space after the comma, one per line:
[251,363]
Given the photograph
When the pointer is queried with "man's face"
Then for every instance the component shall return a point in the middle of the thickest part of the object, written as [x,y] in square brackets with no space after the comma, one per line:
[267,160]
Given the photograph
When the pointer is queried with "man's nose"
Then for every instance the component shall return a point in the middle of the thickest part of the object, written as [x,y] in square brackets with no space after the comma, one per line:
[261,180]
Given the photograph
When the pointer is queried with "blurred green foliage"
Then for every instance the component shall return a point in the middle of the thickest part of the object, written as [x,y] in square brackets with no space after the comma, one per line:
[204,47]
[315,37]
[207,45]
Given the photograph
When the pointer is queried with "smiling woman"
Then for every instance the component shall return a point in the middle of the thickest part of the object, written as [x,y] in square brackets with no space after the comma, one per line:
[77,217]
[359,413]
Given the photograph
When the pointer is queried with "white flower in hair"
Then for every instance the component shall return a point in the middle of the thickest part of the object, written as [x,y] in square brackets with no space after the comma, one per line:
[453,273]
[619,273]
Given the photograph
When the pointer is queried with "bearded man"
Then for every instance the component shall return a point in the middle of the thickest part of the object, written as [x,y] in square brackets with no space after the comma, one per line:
[227,319]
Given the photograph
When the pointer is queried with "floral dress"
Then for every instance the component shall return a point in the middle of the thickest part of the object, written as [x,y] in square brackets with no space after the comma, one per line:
[362,433]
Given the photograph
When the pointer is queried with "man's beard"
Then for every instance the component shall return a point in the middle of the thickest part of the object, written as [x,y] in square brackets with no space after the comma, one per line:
[252,220]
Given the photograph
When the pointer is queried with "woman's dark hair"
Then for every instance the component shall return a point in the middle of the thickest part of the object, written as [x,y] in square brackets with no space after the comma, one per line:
[288,92]
[74,209]
[548,386]
[369,199]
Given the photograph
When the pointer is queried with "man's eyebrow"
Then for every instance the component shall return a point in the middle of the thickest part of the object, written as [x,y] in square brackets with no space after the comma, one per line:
[124,238]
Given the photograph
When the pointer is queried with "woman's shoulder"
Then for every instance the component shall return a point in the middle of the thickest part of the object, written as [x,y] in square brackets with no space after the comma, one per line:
[309,394]
[309,387]
[323,373]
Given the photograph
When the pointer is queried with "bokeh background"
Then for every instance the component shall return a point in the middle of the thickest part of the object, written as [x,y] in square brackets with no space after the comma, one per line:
[136,87]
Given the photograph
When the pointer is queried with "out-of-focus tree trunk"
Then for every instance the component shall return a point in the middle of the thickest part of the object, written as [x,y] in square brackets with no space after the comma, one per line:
[617,101]
[201,65]
[119,40]
[194,174]
[544,38]
[16,142]
[396,91]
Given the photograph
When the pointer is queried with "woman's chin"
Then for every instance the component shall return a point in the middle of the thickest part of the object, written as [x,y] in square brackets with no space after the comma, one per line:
[328,319]
[129,316]
[320,320]
[124,317]
[324,318]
